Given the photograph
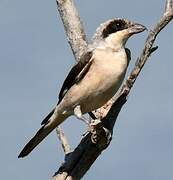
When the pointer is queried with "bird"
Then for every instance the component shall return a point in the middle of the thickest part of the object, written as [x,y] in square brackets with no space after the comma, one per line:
[94,80]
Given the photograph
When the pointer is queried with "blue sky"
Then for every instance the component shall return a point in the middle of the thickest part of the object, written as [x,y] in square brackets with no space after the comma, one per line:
[34,61]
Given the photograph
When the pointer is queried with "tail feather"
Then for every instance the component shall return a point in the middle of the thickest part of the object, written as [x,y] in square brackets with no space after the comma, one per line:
[46,119]
[41,134]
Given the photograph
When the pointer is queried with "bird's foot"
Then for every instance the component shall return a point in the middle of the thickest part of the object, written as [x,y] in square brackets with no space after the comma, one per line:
[95,124]
[94,127]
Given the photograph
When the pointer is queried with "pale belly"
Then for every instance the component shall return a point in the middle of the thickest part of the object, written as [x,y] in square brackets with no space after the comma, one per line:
[98,86]
[99,94]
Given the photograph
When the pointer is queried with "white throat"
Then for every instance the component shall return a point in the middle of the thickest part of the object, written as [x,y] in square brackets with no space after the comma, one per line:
[115,41]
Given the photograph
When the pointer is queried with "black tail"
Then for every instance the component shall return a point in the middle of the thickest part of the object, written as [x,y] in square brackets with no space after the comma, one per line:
[46,119]
[39,136]
[48,127]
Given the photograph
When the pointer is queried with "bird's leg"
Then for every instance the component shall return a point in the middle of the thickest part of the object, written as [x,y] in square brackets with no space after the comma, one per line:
[78,114]
[94,125]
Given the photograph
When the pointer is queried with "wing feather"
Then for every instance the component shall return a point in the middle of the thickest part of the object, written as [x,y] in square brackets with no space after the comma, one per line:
[76,74]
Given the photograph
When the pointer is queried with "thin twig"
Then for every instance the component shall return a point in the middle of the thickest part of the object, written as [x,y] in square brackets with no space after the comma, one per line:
[63,140]
[73,27]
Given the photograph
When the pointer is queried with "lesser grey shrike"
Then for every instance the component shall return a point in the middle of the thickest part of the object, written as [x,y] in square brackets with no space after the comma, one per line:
[94,79]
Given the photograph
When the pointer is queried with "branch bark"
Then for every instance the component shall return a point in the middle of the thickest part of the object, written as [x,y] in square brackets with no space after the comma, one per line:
[80,160]
[73,27]
[64,142]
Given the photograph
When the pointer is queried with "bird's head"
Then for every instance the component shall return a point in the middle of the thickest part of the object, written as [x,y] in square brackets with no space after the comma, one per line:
[117,31]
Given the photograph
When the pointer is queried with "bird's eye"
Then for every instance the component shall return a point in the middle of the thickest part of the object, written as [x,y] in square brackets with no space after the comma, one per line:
[118,25]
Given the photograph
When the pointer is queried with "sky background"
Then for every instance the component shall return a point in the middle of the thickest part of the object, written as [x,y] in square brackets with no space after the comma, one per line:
[34,60]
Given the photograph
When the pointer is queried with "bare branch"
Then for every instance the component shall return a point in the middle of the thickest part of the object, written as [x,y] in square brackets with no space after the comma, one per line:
[81,159]
[63,140]
[73,27]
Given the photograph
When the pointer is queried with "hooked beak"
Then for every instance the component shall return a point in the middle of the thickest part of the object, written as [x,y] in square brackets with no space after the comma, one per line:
[136,28]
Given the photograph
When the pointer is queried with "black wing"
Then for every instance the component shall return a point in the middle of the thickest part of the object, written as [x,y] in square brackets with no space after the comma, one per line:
[128,53]
[76,74]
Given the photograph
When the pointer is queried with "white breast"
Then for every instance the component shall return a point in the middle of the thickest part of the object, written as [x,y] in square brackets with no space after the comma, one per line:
[101,82]
[106,76]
